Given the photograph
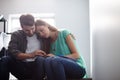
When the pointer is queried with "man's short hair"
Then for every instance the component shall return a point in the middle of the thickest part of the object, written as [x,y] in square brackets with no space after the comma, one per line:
[26,20]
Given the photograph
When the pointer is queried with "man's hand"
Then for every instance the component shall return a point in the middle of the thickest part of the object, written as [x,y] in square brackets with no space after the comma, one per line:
[38,53]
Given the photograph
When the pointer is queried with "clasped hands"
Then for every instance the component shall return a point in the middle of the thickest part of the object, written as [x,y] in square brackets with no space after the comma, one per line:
[41,53]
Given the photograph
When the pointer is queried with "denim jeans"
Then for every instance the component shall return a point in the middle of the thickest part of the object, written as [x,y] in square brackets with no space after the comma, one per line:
[27,70]
[4,72]
[60,68]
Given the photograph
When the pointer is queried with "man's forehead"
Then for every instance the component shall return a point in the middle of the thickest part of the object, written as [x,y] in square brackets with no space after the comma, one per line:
[28,27]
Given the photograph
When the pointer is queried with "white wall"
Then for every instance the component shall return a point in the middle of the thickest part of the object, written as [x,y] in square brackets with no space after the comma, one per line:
[105,29]
[70,14]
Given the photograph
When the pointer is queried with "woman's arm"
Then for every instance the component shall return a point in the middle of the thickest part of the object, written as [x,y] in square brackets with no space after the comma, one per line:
[74,53]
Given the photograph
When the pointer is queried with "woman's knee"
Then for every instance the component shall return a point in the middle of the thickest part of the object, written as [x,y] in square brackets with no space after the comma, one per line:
[55,62]
[83,73]
[56,59]
[48,60]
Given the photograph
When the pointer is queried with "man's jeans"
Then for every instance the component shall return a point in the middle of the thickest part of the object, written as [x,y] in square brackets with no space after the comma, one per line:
[27,70]
[4,72]
[60,68]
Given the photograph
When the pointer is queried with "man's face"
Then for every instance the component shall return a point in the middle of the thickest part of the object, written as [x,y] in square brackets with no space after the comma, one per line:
[29,30]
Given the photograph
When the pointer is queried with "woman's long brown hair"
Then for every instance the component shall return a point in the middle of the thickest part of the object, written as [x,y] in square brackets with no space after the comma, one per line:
[46,41]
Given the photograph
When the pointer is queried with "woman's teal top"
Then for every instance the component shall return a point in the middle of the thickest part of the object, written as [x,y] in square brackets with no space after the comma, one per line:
[60,47]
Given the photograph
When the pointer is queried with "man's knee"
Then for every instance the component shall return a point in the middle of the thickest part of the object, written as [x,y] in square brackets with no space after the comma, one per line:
[40,59]
[4,72]
[5,59]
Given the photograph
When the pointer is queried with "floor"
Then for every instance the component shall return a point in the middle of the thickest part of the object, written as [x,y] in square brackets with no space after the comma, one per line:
[12,77]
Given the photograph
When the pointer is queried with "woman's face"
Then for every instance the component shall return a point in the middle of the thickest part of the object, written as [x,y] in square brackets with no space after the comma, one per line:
[43,31]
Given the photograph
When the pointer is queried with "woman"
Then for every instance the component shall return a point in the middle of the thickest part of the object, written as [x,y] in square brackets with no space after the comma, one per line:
[64,60]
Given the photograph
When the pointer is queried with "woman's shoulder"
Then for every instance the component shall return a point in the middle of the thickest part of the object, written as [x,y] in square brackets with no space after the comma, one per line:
[64,31]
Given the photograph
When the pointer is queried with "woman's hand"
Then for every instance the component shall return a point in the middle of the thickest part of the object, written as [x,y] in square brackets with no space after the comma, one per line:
[50,55]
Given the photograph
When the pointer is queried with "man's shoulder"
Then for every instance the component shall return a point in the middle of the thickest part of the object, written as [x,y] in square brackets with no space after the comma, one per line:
[18,33]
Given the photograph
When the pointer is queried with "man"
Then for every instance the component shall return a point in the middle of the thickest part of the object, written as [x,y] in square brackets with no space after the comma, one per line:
[25,48]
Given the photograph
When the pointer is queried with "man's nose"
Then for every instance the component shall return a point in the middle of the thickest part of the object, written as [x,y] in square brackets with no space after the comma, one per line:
[31,32]
[42,34]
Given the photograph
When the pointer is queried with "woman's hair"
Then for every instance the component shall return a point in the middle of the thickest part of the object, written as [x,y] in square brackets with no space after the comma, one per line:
[46,42]
[43,23]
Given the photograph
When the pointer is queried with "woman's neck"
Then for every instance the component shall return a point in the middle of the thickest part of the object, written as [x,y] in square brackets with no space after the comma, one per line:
[54,36]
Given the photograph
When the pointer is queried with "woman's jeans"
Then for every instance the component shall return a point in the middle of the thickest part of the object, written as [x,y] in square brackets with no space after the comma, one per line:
[27,70]
[60,68]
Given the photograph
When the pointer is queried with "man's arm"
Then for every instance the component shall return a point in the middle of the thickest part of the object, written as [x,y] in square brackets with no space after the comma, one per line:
[13,45]
[23,56]
[15,51]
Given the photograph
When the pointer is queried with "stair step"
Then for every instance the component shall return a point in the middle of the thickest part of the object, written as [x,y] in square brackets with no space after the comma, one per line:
[81,79]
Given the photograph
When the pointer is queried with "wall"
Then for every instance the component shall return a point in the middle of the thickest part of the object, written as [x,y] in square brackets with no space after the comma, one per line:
[105,36]
[71,14]
[2,26]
